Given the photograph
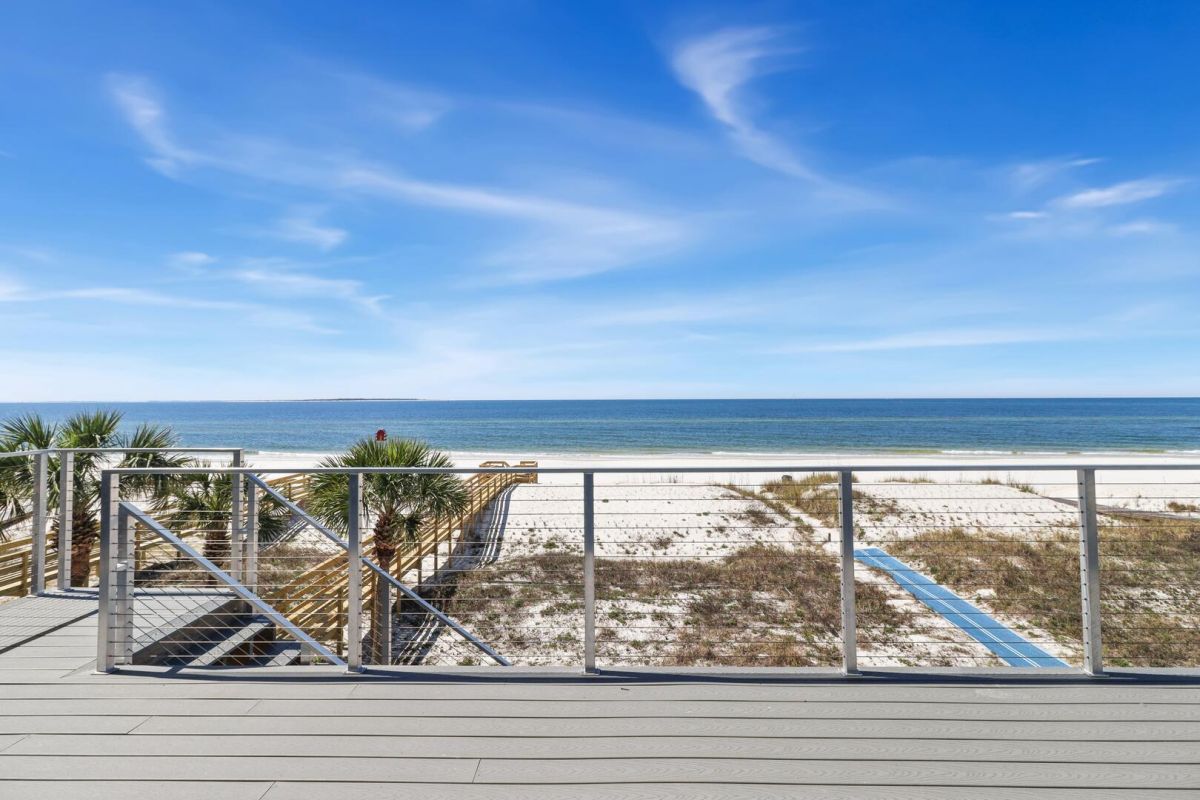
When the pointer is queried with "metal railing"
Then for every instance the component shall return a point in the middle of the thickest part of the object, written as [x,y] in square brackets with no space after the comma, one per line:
[319,583]
[34,555]
[813,565]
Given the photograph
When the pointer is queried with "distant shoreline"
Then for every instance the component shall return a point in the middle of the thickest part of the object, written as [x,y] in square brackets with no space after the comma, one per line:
[725,428]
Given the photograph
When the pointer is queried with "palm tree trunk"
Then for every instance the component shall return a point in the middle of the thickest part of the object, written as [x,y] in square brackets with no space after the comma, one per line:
[380,637]
[85,530]
[217,549]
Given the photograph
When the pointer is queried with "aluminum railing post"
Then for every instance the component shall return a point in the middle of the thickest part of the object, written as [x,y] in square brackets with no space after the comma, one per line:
[37,564]
[236,533]
[849,612]
[126,567]
[589,572]
[1089,573]
[354,567]
[66,511]
[251,563]
[105,649]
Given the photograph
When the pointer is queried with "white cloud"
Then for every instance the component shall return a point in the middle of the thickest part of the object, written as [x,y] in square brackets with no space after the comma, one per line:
[297,284]
[572,240]
[1118,194]
[302,226]
[964,337]
[568,239]
[1033,174]
[716,67]
[137,100]
[190,260]
[1141,227]
[408,109]
[254,313]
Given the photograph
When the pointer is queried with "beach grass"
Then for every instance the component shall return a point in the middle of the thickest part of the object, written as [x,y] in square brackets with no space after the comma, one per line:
[763,605]
[1149,571]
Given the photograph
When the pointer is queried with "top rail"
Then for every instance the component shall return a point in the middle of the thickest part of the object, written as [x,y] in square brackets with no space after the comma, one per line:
[616,470]
[31,452]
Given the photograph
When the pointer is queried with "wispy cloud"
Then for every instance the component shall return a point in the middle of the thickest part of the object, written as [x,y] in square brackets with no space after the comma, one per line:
[572,240]
[189,260]
[567,239]
[1035,174]
[961,337]
[1118,194]
[1141,227]
[717,66]
[254,313]
[403,107]
[139,103]
[303,226]
[283,281]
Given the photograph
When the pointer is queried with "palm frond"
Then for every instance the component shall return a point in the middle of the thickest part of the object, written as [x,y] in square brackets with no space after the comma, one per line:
[407,498]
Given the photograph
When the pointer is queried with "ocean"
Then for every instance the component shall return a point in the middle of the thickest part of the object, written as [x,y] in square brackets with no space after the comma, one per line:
[681,426]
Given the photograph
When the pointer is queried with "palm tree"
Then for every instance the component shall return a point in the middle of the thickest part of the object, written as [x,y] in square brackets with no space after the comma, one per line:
[98,429]
[205,502]
[399,503]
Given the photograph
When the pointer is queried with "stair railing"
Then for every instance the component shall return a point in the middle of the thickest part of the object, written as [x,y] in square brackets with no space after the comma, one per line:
[371,566]
[115,632]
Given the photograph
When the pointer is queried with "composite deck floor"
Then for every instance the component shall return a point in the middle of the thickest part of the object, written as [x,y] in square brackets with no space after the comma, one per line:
[305,732]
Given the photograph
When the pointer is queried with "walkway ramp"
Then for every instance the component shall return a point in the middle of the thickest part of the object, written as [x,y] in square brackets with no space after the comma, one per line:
[1010,646]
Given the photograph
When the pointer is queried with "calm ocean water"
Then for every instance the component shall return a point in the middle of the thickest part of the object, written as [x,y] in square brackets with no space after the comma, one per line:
[682,426]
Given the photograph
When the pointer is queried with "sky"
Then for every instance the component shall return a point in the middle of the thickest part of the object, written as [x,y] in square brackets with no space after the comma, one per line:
[489,200]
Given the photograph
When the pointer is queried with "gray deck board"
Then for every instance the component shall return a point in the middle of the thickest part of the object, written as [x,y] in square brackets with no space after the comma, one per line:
[897,773]
[832,729]
[544,747]
[257,734]
[693,791]
[28,618]
[189,767]
[122,686]
[726,709]
[125,790]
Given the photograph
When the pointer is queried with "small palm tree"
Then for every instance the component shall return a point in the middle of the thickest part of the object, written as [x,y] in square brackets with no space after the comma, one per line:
[400,505]
[98,429]
[204,502]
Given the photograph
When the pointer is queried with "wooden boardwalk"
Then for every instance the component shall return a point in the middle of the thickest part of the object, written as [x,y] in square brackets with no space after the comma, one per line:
[304,732]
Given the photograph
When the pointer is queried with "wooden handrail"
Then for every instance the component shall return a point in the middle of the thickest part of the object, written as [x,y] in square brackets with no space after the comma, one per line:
[16,555]
[315,600]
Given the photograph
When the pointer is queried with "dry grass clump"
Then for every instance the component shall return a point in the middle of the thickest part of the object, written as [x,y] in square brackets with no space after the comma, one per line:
[815,495]
[760,606]
[1183,508]
[1150,574]
[1020,487]
[756,515]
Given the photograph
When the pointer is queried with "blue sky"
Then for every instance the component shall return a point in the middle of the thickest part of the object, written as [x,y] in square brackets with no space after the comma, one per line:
[613,199]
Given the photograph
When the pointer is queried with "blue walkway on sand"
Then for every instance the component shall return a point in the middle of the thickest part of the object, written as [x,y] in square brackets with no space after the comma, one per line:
[995,636]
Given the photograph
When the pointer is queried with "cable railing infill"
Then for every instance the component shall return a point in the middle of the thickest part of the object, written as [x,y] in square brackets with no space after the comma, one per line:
[35,557]
[757,565]
[354,552]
